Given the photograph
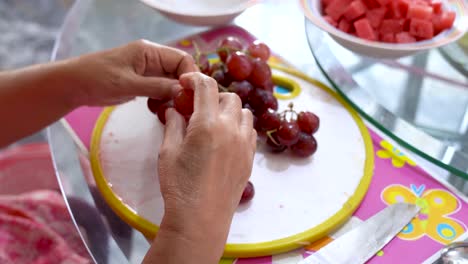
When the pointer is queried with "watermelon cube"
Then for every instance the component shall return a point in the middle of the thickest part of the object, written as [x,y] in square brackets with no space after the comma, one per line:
[344,25]
[325,3]
[389,38]
[404,37]
[399,8]
[355,10]
[364,29]
[383,2]
[336,8]
[330,21]
[371,3]
[376,16]
[443,21]
[437,6]
[420,11]
[421,28]
[391,26]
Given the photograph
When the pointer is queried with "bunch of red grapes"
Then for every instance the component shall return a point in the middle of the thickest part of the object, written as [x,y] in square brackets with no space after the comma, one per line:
[244,71]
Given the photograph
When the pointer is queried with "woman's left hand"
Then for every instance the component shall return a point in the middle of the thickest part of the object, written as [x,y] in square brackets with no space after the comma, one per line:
[140,68]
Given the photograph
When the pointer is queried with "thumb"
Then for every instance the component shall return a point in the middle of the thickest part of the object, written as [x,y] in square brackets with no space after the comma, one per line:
[154,87]
[174,131]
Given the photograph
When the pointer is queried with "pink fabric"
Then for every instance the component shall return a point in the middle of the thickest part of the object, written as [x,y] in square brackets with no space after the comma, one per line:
[36,228]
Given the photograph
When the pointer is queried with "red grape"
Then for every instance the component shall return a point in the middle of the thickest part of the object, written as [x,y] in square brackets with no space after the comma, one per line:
[183,102]
[242,89]
[228,45]
[268,85]
[248,193]
[153,104]
[162,111]
[269,120]
[259,49]
[221,77]
[262,100]
[305,146]
[275,146]
[260,74]
[308,122]
[239,66]
[288,132]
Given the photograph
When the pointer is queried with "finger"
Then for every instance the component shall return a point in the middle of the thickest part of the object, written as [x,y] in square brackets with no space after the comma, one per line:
[174,130]
[154,87]
[246,127]
[167,61]
[206,96]
[230,105]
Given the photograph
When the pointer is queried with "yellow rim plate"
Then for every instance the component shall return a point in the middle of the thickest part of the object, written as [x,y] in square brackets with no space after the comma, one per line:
[246,250]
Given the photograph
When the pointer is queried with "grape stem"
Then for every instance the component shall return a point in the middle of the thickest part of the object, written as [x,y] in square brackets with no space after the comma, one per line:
[293,114]
[269,135]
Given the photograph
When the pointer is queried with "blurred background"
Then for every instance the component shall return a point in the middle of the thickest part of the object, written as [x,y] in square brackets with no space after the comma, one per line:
[28,29]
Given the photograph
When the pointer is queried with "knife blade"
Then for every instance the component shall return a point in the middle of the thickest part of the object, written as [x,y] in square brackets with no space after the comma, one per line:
[361,243]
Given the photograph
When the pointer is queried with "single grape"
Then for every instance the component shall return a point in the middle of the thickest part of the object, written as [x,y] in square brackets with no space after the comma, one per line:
[248,193]
[153,104]
[221,77]
[262,100]
[228,45]
[305,146]
[268,85]
[259,50]
[162,111]
[288,132]
[308,122]
[238,66]
[183,102]
[274,146]
[242,89]
[260,74]
[269,120]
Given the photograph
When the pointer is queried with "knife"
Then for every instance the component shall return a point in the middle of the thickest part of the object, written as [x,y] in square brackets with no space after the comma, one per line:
[361,243]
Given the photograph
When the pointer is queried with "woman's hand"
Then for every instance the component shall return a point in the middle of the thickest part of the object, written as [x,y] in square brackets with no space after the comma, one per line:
[203,169]
[140,68]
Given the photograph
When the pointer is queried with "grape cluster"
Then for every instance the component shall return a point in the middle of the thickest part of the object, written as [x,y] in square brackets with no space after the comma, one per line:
[244,71]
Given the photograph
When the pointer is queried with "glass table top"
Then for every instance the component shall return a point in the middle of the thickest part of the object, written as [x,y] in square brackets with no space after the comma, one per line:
[435,106]
[419,101]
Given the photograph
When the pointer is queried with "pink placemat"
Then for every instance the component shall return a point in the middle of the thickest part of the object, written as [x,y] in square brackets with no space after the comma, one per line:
[396,178]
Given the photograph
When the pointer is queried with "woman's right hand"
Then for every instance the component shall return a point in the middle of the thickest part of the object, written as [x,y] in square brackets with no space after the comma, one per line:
[204,167]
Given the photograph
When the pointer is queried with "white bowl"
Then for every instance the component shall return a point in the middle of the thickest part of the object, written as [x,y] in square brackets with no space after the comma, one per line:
[200,12]
[312,10]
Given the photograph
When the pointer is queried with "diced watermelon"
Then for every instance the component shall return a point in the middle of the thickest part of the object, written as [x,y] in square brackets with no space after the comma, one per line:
[437,6]
[419,11]
[406,24]
[421,28]
[399,8]
[354,10]
[364,29]
[404,37]
[443,21]
[383,2]
[421,2]
[371,3]
[391,26]
[330,20]
[325,3]
[376,16]
[344,25]
[336,8]
[389,38]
